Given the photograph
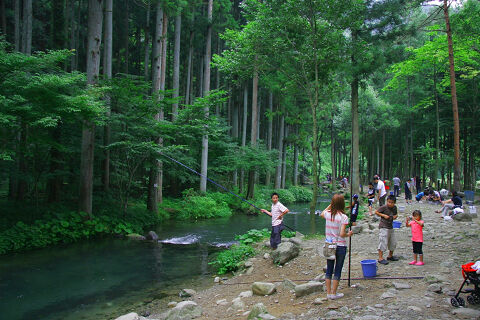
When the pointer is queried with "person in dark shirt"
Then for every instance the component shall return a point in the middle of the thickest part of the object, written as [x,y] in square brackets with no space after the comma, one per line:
[451,204]
[354,210]
[387,240]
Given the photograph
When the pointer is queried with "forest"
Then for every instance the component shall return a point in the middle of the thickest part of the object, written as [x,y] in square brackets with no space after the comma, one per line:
[97,97]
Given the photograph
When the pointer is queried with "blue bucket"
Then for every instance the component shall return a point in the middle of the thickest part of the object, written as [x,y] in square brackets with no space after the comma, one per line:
[369,268]
[397,224]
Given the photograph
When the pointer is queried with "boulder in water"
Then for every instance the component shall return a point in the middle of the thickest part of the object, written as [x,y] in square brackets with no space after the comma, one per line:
[152,236]
[186,293]
[135,236]
[285,252]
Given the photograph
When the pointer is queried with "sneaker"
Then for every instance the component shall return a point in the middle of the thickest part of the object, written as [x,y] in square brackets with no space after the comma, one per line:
[383,261]
[413,262]
[419,263]
[392,258]
[334,296]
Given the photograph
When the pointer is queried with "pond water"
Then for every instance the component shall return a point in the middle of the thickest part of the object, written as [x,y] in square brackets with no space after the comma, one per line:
[104,278]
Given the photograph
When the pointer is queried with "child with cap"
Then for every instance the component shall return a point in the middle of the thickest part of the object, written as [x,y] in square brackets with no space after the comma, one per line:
[354,210]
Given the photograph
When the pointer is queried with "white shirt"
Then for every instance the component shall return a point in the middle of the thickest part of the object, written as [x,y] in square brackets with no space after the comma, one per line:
[277,210]
[381,188]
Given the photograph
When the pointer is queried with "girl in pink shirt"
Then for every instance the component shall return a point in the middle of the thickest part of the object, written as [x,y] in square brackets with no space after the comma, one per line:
[416,224]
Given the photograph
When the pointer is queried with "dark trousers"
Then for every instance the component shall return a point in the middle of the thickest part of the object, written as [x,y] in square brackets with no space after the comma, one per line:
[381,200]
[396,190]
[334,267]
[276,236]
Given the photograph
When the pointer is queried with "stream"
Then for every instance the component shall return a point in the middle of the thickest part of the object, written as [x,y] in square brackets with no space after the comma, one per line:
[102,279]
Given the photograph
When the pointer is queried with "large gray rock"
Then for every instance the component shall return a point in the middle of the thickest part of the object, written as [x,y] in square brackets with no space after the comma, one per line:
[435,287]
[238,304]
[466,313]
[357,229]
[296,241]
[184,310]
[285,252]
[401,285]
[462,217]
[308,288]
[151,235]
[135,236]
[186,293]
[289,284]
[263,288]
[130,316]
[257,309]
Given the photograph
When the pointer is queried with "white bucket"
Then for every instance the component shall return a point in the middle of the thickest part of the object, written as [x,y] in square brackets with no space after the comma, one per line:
[472,209]
[401,208]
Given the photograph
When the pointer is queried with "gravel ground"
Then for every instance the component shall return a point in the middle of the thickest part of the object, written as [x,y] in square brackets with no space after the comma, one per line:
[447,245]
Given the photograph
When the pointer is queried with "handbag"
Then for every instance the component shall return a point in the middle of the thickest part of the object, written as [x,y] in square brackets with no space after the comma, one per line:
[330,248]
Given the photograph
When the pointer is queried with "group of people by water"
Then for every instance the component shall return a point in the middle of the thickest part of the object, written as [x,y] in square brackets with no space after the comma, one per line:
[338,224]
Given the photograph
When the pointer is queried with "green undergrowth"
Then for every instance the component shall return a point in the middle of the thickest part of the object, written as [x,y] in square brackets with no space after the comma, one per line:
[70,226]
[194,205]
[233,258]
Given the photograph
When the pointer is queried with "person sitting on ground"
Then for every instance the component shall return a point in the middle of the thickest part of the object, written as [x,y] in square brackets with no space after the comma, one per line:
[387,240]
[450,205]
[416,224]
[277,212]
[371,198]
[382,193]
[436,197]
[336,231]
[408,191]
[422,195]
[354,210]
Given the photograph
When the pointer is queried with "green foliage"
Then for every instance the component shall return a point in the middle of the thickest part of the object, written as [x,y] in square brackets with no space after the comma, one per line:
[228,260]
[301,194]
[68,227]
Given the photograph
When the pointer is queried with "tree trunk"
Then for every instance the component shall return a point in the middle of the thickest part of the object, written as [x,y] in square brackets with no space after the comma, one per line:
[383,155]
[146,61]
[152,198]
[295,164]
[27,27]
[17,26]
[3,17]
[190,61]
[206,90]
[95,19]
[284,159]
[73,26]
[332,152]
[453,87]
[235,136]
[244,130]
[107,73]
[278,171]
[126,36]
[55,180]
[176,65]
[253,137]
[268,176]
[354,180]
[57,25]
[465,158]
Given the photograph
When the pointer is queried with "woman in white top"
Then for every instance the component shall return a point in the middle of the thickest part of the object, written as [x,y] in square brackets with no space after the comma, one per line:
[335,230]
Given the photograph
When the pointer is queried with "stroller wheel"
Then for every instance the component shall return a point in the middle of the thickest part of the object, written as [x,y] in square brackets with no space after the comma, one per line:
[461,301]
[471,299]
[454,302]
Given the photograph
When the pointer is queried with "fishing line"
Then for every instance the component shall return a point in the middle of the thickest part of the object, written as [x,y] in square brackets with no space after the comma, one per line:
[217,184]
[307,280]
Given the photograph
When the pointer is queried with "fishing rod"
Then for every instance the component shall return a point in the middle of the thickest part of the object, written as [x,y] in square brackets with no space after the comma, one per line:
[362,278]
[217,184]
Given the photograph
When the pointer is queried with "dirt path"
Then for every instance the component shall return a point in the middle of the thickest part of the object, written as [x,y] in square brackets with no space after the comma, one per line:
[447,245]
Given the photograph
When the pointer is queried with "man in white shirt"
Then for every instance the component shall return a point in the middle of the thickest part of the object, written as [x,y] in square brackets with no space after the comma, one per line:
[277,212]
[382,193]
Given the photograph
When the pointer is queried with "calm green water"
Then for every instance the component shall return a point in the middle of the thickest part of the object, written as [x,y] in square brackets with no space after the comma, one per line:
[105,278]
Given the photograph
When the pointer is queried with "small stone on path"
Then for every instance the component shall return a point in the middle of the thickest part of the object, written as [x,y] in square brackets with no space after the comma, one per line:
[401,285]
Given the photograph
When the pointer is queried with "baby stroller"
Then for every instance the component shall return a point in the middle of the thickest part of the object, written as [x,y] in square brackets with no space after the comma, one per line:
[471,277]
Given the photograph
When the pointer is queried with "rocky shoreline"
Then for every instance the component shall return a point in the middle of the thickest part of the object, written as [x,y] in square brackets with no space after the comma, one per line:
[294,290]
